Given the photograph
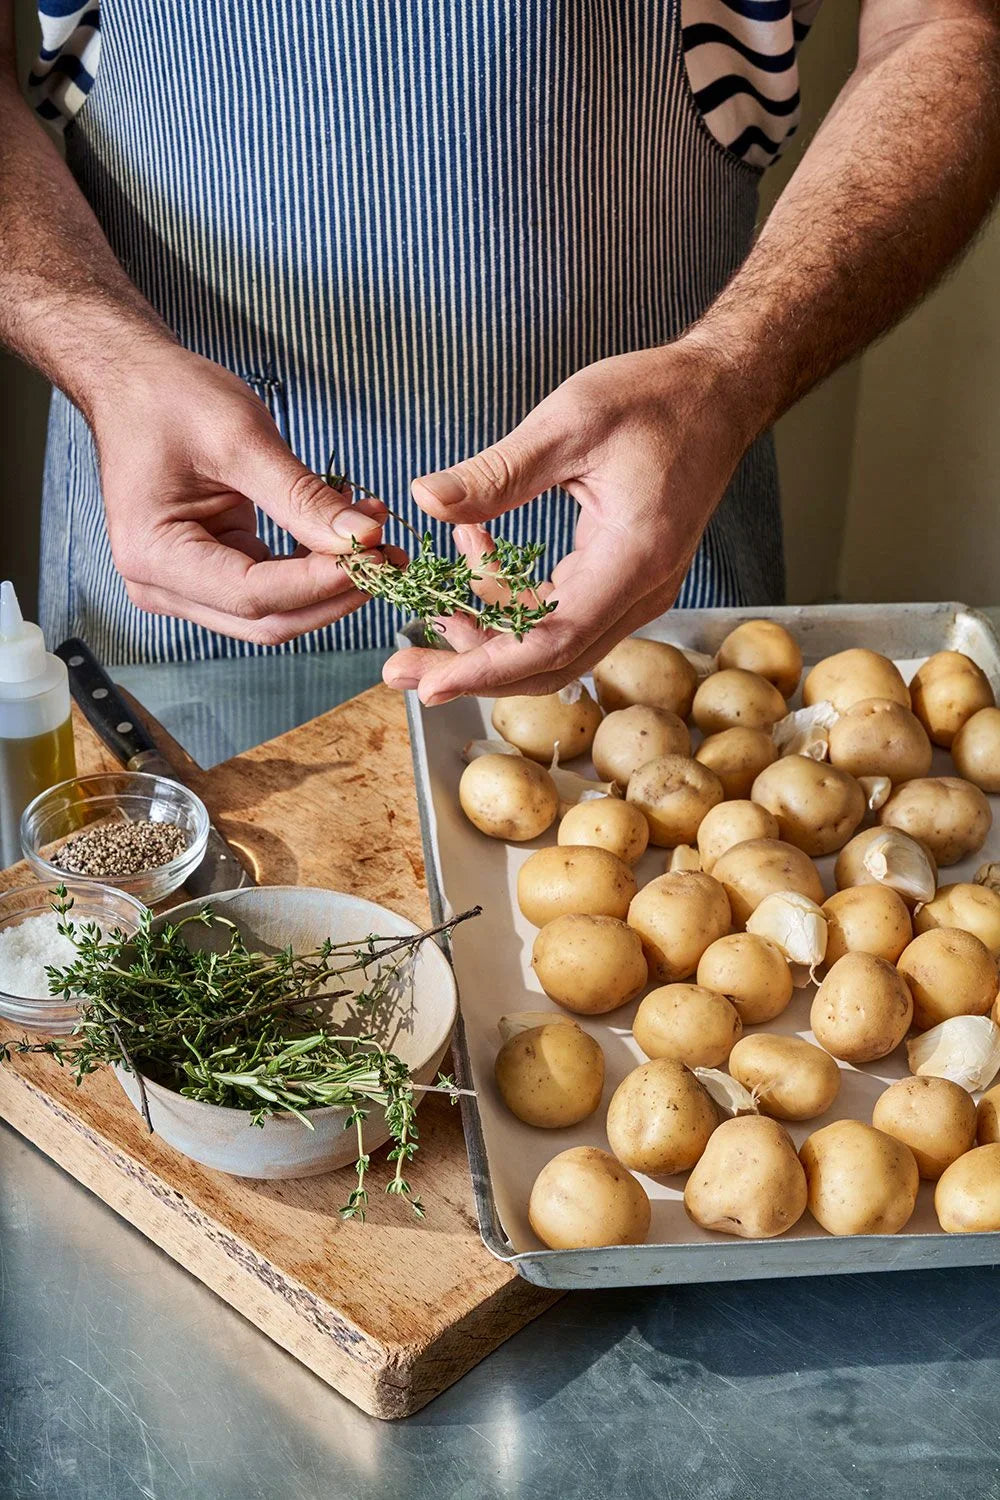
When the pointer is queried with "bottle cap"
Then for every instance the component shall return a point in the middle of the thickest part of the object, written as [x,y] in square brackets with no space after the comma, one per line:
[22,645]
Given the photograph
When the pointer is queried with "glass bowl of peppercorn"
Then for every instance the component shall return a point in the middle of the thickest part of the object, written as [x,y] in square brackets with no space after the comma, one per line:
[142,834]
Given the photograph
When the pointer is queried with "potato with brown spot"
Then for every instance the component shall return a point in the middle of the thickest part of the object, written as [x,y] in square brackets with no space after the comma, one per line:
[976,750]
[880,737]
[677,916]
[606,823]
[973,908]
[967,1197]
[737,756]
[589,964]
[866,919]
[660,1118]
[550,1076]
[933,1116]
[652,673]
[689,1023]
[583,1198]
[850,676]
[862,1010]
[752,973]
[748,1181]
[988,1117]
[817,806]
[592,882]
[860,1180]
[764,867]
[630,737]
[537,723]
[508,797]
[673,794]
[951,817]
[731,823]
[767,648]
[736,699]
[946,691]
[950,973]
[790,1078]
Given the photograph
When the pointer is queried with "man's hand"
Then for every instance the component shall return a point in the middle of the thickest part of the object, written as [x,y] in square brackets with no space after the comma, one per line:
[186,451]
[646,443]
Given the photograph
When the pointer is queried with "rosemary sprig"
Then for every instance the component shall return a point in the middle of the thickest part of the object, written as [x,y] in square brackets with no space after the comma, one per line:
[435,588]
[248,1030]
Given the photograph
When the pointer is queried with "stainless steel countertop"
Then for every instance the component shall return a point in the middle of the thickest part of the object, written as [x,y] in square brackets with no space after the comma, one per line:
[121,1376]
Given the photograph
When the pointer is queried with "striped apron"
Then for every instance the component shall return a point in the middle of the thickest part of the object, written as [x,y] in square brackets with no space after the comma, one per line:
[402,225]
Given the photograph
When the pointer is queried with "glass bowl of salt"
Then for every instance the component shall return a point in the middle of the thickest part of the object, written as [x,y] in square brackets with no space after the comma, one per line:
[30,942]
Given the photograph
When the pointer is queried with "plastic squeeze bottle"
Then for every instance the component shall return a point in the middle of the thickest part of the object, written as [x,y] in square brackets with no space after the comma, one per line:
[36,731]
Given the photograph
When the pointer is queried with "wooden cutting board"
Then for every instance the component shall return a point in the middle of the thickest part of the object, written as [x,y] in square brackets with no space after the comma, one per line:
[390,1312]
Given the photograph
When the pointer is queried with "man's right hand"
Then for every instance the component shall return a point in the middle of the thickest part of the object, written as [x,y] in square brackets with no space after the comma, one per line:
[186,451]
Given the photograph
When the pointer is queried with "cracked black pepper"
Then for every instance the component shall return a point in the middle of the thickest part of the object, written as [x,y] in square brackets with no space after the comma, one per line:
[124,848]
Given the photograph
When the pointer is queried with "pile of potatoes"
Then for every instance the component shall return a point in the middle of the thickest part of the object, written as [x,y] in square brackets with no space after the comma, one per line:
[707,764]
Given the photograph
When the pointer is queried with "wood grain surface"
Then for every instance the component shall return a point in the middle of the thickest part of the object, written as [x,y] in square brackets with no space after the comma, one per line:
[390,1312]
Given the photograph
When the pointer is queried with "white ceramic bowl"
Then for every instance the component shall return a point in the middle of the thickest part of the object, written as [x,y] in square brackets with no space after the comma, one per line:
[417,1029]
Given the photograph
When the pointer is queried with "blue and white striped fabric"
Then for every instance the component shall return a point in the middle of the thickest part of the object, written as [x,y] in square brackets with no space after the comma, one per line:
[402,225]
[68,59]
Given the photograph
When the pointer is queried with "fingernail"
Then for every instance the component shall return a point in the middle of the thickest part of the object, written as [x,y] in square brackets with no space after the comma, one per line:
[446,487]
[435,700]
[354,525]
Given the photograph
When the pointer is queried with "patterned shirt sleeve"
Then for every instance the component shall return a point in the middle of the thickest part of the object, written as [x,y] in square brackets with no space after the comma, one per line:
[67,61]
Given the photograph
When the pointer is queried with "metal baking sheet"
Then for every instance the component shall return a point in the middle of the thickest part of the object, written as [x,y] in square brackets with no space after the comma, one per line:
[492,962]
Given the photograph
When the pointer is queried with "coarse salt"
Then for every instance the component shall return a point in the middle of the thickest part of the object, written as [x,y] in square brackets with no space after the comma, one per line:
[26,949]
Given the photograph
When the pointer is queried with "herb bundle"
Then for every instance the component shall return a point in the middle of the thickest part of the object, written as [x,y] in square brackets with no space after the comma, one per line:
[435,588]
[248,1030]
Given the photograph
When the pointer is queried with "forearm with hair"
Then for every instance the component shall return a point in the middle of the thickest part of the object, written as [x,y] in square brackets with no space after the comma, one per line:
[894,186]
[66,305]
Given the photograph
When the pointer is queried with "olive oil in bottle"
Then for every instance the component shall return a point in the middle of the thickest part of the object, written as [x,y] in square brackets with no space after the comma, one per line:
[36,731]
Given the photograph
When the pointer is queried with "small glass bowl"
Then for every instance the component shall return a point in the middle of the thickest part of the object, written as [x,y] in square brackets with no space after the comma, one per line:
[91,903]
[118,796]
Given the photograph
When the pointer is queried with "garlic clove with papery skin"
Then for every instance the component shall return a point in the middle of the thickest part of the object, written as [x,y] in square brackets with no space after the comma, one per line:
[806,731]
[876,790]
[474,748]
[795,924]
[898,861]
[574,788]
[965,1049]
[684,857]
[526,1020]
[703,664]
[572,692]
[730,1097]
[989,875]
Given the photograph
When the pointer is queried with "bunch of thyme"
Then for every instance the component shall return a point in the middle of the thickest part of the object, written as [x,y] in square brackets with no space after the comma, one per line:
[248,1030]
[435,588]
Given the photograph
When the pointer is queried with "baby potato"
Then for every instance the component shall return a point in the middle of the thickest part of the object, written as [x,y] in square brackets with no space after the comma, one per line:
[950,973]
[606,823]
[866,919]
[731,823]
[507,797]
[767,648]
[652,673]
[589,964]
[630,737]
[850,676]
[862,1010]
[752,973]
[817,807]
[946,691]
[536,724]
[860,1180]
[967,1197]
[910,870]
[579,879]
[748,1181]
[988,1117]
[933,1116]
[973,908]
[949,816]
[976,750]
[583,1198]
[789,1077]
[689,1023]
[737,756]
[674,793]
[763,867]
[550,1076]
[660,1118]
[677,916]
[879,737]
[734,698]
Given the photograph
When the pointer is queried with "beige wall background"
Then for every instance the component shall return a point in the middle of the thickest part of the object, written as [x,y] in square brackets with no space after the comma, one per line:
[889,471]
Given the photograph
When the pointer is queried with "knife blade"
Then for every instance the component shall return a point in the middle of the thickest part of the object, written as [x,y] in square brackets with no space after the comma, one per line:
[111,718]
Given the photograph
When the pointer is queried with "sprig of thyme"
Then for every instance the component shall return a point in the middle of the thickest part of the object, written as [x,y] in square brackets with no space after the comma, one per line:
[248,1030]
[435,588]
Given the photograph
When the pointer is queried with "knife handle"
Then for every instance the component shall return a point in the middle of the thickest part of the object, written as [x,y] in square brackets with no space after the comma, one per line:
[106,711]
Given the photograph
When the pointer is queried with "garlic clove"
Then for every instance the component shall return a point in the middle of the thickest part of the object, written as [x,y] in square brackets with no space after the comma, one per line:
[571,693]
[526,1020]
[989,875]
[474,748]
[573,788]
[703,664]
[802,975]
[876,790]
[795,924]
[965,1049]
[900,862]
[731,1097]
[806,731]
[684,857]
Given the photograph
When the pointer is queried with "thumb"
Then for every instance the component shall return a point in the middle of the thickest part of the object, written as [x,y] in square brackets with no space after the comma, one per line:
[318,516]
[501,477]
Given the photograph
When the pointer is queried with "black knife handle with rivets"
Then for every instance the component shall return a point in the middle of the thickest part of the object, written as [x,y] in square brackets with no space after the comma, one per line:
[107,712]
